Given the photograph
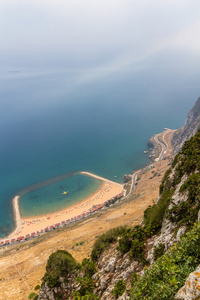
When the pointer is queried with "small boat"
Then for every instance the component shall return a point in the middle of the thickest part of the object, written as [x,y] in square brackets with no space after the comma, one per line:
[64,193]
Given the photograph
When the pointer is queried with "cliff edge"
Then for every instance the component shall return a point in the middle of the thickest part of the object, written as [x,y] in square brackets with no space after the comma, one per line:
[192,124]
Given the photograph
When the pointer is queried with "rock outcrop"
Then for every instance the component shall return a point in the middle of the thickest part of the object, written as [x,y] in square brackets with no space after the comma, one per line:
[154,149]
[191,289]
[127,178]
[192,125]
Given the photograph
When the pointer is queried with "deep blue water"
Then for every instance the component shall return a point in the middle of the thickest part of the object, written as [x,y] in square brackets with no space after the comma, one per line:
[51,122]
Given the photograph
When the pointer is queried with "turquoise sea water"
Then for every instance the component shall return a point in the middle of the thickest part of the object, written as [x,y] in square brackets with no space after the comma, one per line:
[55,122]
[51,197]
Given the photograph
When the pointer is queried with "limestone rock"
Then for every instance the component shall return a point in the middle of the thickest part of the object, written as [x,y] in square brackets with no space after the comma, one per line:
[191,289]
[104,280]
[111,264]
[46,293]
[180,232]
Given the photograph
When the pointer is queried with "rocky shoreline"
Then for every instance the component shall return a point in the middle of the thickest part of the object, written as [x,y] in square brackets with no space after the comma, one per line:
[154,149]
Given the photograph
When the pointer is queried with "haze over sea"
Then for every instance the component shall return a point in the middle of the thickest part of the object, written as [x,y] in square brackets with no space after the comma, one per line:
[83,86]
[50,126]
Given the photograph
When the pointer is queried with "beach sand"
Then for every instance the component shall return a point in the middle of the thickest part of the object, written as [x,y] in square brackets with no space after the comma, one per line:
[32,224]
[16,216]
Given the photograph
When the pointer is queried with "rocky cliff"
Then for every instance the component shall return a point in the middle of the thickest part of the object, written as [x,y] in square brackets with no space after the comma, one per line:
[192,124]
[149,261]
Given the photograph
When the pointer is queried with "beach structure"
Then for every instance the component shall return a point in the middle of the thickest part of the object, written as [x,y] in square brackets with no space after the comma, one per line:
[90,211]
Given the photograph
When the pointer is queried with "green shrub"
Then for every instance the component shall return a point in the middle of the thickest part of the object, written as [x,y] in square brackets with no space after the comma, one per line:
[86,285]
[153,215]
[88,267]
[86,282]
[37,287]
[183,214]
[32,295]
[186,213]
[60,263]
[188,160]
[170,271]
[119,288]
[165,182]
[133,240]
[192,185]
[103,241]
[158,251]
[90,296]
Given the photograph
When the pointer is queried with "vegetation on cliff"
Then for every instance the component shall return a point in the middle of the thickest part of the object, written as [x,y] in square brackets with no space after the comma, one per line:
[60,264]
[103,242]
[169,270]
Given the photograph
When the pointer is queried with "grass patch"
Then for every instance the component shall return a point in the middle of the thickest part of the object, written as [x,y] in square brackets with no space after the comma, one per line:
[103,241]
[119,288]
[153,215]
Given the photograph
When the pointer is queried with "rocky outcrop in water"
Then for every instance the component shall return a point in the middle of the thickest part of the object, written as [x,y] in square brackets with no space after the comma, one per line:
[154,149]
[127,178]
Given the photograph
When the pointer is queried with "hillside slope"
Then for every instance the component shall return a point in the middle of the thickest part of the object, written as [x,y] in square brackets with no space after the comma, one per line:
[119,264]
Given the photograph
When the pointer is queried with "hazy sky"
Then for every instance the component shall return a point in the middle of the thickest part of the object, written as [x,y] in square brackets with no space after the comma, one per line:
[108,35]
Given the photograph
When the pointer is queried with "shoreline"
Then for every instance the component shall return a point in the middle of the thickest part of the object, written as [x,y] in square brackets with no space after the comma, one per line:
[99,177]
[78,238]
[17,216]
[28,225]
[54,216]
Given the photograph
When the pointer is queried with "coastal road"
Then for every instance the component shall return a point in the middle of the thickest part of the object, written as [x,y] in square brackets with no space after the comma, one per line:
[164,148]
[162,144]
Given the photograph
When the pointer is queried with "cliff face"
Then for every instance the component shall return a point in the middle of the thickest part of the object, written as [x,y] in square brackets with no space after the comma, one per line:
[142,262]
[192,124]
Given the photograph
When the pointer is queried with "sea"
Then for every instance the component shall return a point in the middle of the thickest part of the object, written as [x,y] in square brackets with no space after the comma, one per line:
[57,122]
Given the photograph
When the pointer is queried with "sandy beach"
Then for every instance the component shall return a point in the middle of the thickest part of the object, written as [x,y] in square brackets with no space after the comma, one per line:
[32,224]
[16,216]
